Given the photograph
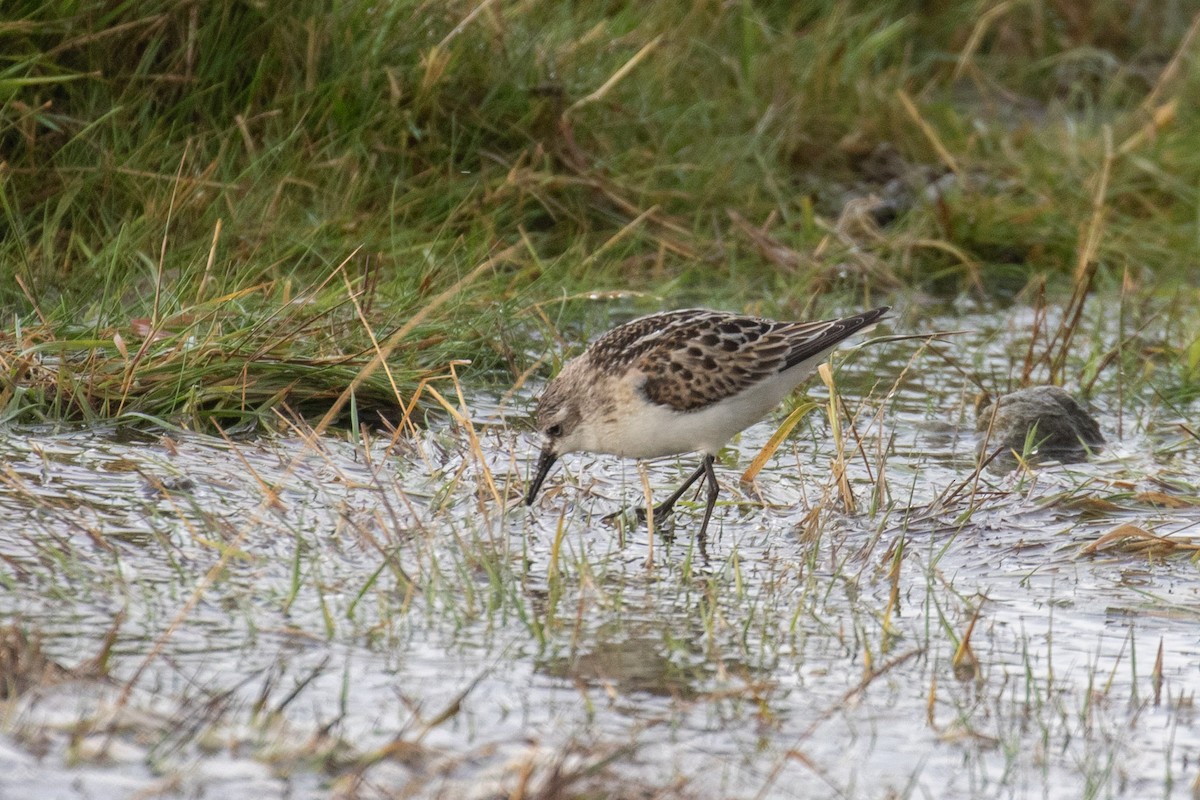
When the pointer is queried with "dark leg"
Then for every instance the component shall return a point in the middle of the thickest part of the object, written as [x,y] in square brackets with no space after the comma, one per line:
[664,508]
[705,470]
[713,491]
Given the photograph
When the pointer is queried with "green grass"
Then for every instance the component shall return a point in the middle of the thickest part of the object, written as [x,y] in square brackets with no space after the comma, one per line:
[240,174]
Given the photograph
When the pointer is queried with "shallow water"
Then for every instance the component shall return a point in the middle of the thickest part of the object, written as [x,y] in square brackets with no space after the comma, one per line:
[302,618]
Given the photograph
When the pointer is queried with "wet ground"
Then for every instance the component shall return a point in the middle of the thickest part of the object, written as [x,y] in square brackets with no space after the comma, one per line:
[307,618]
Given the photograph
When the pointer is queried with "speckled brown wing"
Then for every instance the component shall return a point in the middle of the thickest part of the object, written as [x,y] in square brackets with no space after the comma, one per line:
[701,358]
[706,358]
[621,347]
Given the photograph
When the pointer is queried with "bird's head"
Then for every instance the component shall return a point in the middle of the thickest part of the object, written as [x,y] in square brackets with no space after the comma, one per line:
[560,423]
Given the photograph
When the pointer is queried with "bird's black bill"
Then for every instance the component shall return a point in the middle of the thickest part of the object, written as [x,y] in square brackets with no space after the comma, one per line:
[543,468]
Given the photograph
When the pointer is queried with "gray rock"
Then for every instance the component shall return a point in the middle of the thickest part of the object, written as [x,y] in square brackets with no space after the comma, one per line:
[1044,418]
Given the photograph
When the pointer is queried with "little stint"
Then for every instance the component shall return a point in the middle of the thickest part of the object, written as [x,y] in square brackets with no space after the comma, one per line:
[680,382]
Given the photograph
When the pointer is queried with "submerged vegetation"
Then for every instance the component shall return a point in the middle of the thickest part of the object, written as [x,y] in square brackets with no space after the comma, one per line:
[212,209]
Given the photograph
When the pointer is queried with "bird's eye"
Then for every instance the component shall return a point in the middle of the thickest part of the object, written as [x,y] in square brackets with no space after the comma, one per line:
[555,430]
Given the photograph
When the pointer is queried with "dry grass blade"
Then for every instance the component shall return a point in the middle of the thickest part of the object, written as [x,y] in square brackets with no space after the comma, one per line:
[964,663]
[1156,674]
[1171,71]
[1156,498]
[1085,267]
[894,598]
[625,231]
[982,26]
[393,341]
[904,337]
[1162,117]
[467,20]
[777,438]
[462,416]
[648,504]
[1131,538]
[927,129]
[617,76]
[838,467]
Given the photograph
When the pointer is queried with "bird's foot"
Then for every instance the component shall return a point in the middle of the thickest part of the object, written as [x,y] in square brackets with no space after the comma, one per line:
[661,512]
[619,519]
[638,516]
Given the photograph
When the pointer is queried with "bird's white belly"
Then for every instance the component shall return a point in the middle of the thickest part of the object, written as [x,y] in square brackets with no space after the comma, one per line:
[646,430]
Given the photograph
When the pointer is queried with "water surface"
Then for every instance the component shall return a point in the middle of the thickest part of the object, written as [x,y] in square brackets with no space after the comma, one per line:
[299,618]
